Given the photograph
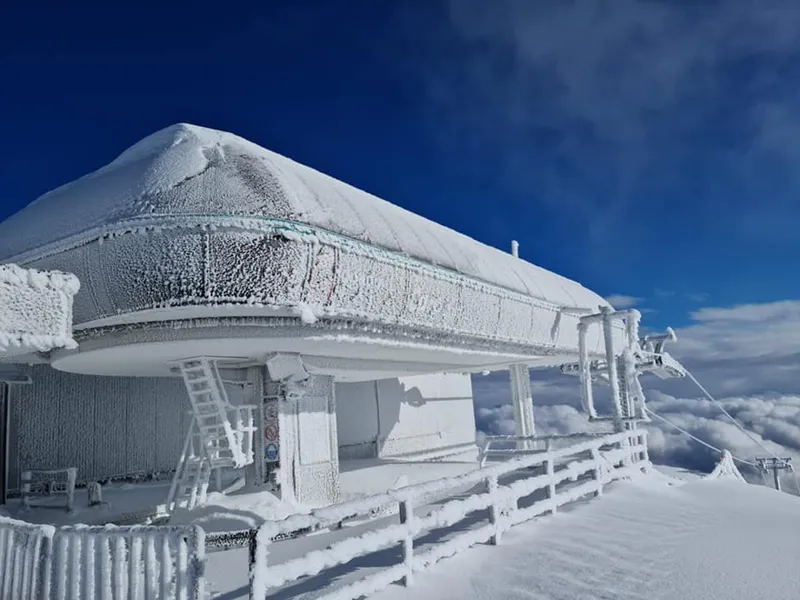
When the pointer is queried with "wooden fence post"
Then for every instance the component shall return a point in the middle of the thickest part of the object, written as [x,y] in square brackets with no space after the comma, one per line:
[494,509]
[597,473]
[551,480]
[407,519]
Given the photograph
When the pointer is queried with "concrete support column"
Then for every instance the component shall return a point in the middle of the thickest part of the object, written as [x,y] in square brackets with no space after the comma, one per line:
[522,400]
[255,474]
[309,457]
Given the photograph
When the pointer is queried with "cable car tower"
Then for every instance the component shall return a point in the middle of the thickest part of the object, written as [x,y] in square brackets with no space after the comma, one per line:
[620,371]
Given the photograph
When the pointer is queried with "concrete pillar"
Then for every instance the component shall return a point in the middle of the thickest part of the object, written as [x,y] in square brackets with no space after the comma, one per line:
[309,450]
[255,474]
[522,400]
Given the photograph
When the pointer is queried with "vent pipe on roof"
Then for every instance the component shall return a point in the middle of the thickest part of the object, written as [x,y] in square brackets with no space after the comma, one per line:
[515,248]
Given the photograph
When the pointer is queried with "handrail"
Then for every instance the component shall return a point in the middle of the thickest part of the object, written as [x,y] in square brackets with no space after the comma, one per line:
[486,449]
[628,458]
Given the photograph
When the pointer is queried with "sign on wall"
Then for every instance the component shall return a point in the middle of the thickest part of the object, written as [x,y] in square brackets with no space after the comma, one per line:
[271,430]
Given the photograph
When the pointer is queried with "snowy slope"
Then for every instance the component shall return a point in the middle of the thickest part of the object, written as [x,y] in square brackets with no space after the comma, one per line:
[185,170]
[705,540]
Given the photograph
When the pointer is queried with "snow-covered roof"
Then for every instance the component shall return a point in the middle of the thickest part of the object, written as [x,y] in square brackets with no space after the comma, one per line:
[186,170]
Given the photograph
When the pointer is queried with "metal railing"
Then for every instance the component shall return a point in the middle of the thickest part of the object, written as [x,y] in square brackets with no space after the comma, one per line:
[86,563]
[570,473]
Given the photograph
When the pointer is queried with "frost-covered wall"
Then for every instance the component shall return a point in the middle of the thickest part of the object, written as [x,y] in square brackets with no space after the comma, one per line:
[294,268]
[35,310]
[404,415]
[104,426]
[120,426]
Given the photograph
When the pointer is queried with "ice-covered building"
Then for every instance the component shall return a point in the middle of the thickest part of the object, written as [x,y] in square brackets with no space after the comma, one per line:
[350,323]
[35,316]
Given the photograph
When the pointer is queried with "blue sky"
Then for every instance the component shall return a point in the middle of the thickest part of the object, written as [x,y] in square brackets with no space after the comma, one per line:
[648,149]
[643,148]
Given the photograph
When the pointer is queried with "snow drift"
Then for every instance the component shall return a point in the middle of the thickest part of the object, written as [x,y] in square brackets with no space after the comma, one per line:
[708,539]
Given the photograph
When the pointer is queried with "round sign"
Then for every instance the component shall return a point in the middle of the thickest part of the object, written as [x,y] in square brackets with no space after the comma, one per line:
[271,452]
[271,432]
[271,411]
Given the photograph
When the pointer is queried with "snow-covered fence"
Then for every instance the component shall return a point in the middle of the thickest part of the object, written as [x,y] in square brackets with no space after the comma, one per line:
[136,562]
[507,446]
[25,552]
[504,490]
[84,563]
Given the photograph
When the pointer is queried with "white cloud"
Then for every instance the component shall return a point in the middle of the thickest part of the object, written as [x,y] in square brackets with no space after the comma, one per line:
[743,350]
[754,313]
[774,421]
[620,301]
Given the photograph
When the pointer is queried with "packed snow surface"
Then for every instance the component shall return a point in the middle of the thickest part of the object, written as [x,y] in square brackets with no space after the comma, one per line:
[190,171]
[712,539]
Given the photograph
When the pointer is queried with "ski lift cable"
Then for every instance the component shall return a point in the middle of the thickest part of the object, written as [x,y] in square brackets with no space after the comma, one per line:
[697,439]
[727,414]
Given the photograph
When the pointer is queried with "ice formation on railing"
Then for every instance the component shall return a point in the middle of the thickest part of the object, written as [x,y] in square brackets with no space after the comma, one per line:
[625,458]
[87,563]
[35,310]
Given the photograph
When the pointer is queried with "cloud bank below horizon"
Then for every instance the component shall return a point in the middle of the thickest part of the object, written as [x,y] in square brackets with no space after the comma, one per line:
[747,356]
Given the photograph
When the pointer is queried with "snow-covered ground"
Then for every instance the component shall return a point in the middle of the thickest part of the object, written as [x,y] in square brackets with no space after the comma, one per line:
[670,535]
[704,540]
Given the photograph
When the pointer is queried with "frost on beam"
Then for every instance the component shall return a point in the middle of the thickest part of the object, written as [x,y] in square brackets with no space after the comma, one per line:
[35,310]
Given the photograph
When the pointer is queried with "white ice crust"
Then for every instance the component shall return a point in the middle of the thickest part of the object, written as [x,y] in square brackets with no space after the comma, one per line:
[35,310]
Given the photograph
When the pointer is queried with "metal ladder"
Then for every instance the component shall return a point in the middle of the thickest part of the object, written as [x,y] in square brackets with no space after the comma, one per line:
[220,435]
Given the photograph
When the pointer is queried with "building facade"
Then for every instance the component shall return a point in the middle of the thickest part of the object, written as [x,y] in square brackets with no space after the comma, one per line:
[350,323]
